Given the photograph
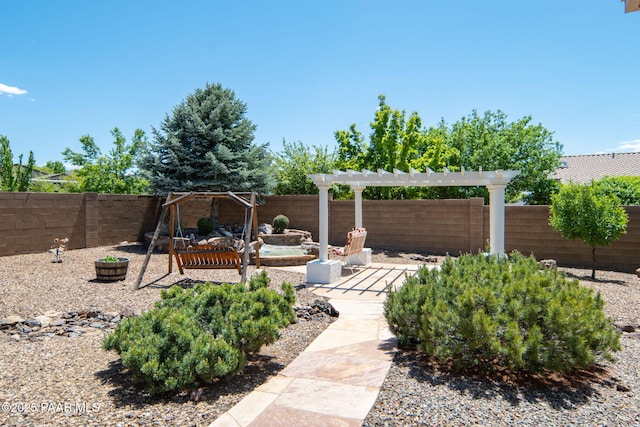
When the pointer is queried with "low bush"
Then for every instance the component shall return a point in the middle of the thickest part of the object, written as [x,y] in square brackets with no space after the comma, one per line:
[195,335]
[280,223]
[485,311]
[205,226]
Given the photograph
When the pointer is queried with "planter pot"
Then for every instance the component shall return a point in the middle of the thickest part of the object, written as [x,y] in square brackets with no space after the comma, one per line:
[111,271]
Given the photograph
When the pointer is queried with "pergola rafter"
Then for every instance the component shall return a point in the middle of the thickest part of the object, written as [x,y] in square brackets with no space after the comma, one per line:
[413,178]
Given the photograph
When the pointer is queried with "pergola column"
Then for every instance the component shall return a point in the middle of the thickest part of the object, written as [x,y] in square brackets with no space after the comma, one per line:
[323,270]
[357,191]
[496,218]
[323,225]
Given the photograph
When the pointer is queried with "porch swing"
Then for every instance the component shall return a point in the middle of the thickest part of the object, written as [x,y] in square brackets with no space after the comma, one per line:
[205,256]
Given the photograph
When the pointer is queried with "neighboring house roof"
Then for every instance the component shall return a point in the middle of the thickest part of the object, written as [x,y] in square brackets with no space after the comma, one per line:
[584,169]
[54,178]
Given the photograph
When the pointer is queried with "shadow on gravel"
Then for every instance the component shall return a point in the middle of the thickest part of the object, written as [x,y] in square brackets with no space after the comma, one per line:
[587,278]
[126,393]
[185,283]
[139,248]
[557,391]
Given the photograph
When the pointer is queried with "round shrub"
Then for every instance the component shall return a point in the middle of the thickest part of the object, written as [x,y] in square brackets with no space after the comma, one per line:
[195,335]
[246,318]
[487,311]
[167,350]
[205,226]
[280,223]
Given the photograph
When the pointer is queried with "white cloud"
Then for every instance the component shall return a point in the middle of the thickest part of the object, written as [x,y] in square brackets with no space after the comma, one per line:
[11,90]
[633,146]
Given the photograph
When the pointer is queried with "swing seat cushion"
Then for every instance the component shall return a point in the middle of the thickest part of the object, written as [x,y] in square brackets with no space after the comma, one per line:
[208,257]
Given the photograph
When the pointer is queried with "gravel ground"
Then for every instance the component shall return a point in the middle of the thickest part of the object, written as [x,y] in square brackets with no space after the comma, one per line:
[73,382]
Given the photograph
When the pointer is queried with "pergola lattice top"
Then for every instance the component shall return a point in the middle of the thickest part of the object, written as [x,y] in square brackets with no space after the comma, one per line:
[413,178]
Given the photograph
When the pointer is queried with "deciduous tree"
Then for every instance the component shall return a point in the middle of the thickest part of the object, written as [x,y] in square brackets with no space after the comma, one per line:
[295,163]
[12,177]
[625,188]
[492,142]
[109,173]
[489,142]
[392,145]
[584,213]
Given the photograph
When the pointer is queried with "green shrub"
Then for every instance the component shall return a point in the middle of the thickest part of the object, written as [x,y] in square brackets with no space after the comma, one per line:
[197,334]
[625,188]
[205,226]
[167,350]
[280,223]
[245,318]
[485,311]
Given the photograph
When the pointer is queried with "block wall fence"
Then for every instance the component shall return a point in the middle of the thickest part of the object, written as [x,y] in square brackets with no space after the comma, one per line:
[30,221]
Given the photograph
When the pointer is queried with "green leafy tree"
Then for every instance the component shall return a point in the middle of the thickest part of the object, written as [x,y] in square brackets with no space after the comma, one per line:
[625,188]
[491,142]
[109,173]
[207,145]
[55,166]
[12,177]
[582,212]
[392,145]
[436,153]
[295,163]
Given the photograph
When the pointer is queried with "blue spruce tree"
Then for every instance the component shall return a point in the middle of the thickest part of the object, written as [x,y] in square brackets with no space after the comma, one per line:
[207,145]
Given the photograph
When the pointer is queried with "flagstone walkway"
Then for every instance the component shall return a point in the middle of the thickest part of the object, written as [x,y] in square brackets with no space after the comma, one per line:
[336,380]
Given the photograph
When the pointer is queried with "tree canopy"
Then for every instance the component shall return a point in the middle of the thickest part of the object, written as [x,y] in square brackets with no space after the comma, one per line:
[108,173]
[207,145]
[477,141]
[14,178]
[492,142]
[584,212]
[625,188]
[296,162]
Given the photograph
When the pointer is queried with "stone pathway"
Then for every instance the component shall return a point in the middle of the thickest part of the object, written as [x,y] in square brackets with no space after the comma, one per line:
[336,380]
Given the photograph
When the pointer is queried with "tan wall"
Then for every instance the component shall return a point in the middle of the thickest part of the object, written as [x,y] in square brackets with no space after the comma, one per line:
[527,230]
[439,225]
[123,217]
[30,221]
[302,211]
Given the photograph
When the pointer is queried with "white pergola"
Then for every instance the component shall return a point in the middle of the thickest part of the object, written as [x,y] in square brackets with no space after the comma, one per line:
[495,181]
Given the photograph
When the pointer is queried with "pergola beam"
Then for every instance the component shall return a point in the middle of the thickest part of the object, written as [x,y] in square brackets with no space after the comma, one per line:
[398,178]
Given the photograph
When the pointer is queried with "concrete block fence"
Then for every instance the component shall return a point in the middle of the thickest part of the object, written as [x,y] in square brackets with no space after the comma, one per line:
[30,221]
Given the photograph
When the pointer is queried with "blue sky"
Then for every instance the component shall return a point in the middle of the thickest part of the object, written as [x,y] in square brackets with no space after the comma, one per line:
[306,69]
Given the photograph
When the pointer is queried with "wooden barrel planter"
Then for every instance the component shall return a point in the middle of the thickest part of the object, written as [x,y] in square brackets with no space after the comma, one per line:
[107,271]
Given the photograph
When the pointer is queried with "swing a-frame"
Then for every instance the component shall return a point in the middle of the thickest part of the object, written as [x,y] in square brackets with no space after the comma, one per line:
[205,257]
